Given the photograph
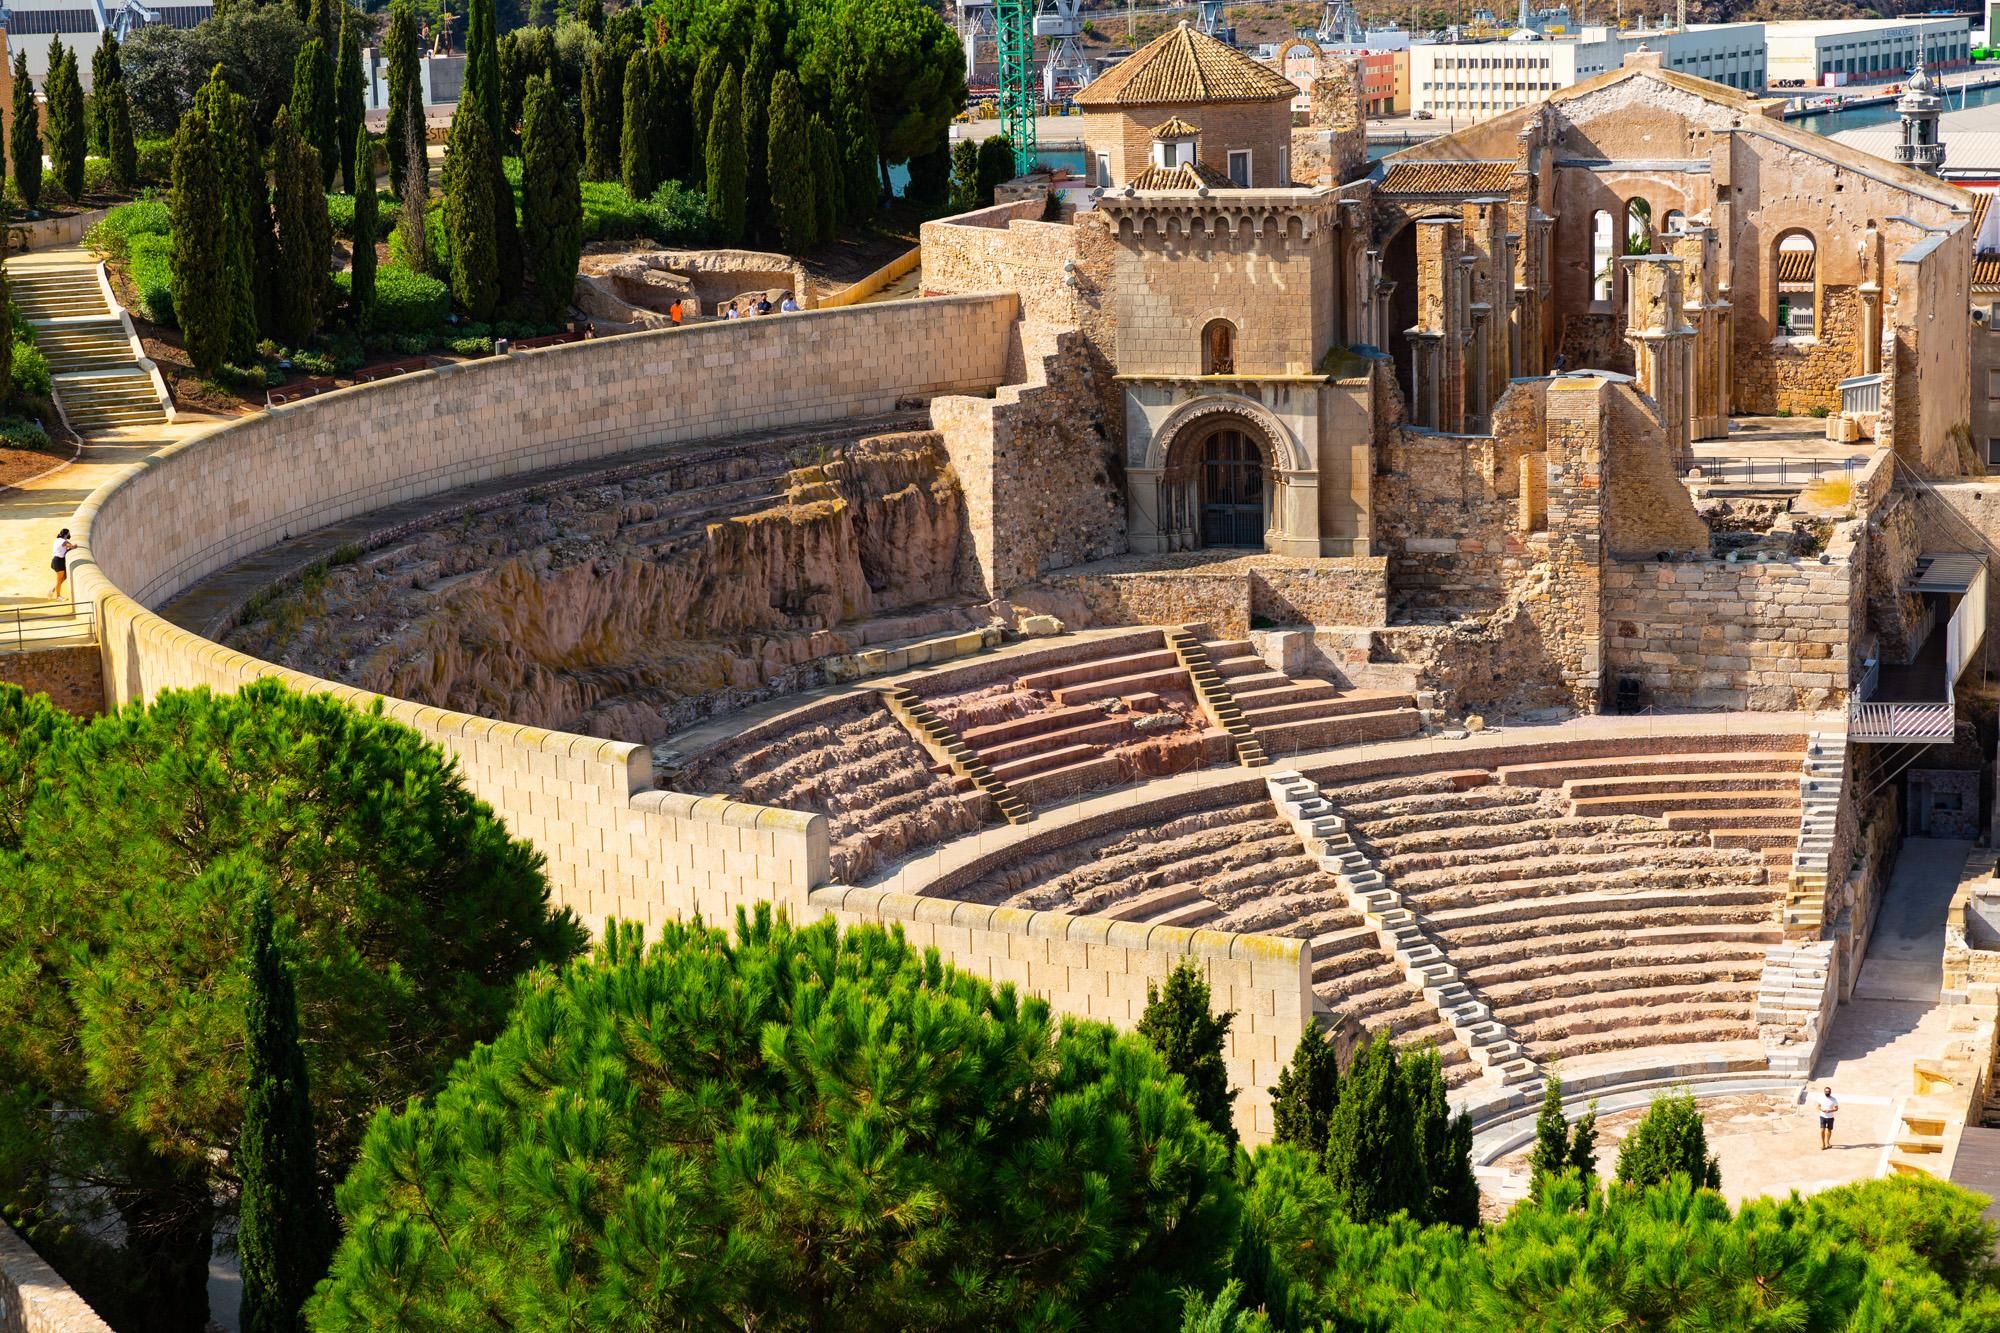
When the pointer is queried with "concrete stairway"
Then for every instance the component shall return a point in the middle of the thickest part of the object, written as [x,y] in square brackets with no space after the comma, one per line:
[1300,803]
[1822,777]
[1290,715]
[99,383]
[1216,700]
[947,748]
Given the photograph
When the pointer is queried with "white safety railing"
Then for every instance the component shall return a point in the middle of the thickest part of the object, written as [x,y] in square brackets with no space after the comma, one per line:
[1900,722]
[1862,393]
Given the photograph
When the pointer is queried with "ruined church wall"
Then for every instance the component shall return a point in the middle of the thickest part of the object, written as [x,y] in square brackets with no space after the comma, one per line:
[1933,396]
[1647,508]
[1801,376]
[615,846]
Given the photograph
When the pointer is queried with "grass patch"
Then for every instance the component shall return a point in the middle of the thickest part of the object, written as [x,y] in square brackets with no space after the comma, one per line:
[1830,492]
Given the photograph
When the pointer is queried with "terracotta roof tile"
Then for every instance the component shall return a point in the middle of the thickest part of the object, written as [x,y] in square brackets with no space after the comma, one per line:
[1986,271]
[1981,201]
[1795,266]
[1446,178]
[1186,176]
[1174,128]
[1183,65]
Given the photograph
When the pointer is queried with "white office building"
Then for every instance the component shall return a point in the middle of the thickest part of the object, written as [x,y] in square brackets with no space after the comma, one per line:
[1474,80]
[1839,52]
[33,25]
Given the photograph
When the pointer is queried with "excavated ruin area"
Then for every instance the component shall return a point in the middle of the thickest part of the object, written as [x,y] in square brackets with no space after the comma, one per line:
[1234,867]
[880,792]
[633,601]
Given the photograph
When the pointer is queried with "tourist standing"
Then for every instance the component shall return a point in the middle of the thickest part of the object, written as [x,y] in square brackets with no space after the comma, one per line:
[59,561]
[1829,1107]
[788,305]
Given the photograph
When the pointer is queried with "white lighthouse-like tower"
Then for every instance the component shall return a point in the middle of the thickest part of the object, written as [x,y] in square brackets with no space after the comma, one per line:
[1918,108]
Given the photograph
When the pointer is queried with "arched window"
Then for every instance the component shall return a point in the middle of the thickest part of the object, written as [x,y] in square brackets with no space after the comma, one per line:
[1603,256]
[1638,227]
[1675,222]
[1218,348]
[1797,285]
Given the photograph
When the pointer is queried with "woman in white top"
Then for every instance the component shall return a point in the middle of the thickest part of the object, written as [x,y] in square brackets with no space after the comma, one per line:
[59,561]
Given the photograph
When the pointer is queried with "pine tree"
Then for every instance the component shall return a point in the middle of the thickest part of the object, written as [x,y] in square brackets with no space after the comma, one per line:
[1190,1038]
[965,176]
[361,276]
[1445,1142]
[24,139]
[635,153]
[857,162]
[469,171]
[723,151]
[305,237]
[1669,1140]
[406,100]
[105,70]
[114,120]
[285,1232]
[482,65]
[1306,1093]
[701,110]
[201,257]
[603,115]
[930,179]
[1373,1158]
[313,113]
[350,99]
[552,228]
[828,193]
[67,144]
[794,200]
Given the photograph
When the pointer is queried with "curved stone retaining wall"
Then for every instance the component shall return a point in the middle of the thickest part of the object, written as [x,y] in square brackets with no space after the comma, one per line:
[33,1296]
[615,846]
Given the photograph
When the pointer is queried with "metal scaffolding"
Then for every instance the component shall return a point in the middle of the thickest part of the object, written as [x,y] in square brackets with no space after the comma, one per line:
[1015,37]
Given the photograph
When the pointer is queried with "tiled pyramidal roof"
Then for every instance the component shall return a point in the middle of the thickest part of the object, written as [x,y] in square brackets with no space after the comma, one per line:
[1183,65]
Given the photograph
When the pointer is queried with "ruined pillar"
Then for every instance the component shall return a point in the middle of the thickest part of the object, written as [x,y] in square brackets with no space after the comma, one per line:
[1662,342]
[1438,338]
[1704,310]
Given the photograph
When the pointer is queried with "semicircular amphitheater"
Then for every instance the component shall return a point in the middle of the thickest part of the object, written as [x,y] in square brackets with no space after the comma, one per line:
[1078,634]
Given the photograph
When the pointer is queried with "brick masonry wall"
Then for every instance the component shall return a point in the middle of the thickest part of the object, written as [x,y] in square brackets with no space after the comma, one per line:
[73,678]
[1799,375]
[615,846]
[1097,968]
[34,1298]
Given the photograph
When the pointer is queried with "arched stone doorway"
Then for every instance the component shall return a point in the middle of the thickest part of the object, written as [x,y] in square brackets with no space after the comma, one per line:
[1219,488]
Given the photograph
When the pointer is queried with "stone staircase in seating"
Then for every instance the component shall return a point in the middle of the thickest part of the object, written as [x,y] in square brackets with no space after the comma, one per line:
[1300,803]
[945,746]
[1215,697]
[1295,714]
[99,381]
[1821,781]
[1795,999]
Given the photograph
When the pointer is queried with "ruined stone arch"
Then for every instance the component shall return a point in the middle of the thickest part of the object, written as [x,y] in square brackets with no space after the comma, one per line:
[1192,421]
[1797,282]
[1218,347]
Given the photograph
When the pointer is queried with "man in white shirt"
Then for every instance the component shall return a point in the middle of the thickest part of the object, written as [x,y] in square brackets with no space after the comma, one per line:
[1829,1106]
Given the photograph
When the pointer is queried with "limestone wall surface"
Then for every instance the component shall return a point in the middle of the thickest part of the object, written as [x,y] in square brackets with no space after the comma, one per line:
[72,677]
[615,845]
[34,1298]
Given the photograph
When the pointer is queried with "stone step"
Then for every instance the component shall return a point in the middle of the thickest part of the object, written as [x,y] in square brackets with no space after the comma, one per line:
[1698,803]
[1554,773]
[1097,669]
[1113,687]
[1578,788]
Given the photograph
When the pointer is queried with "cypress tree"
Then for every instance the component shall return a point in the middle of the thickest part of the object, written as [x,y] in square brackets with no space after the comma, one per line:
[1307,1090]
[412,222]
[965,176]
[552,225]
[285,1232]
[105,70]
[635,155]
[701,112]
[200,259]
[240,169]
[406,101]
[67,143]
[1190,1038]
[313,116]
[726,168]
[114,120]
[361,287]
[1558,1147]
[1373,1158]
[794,200]
[1445,1141]
[673,151]
[827,190]
[24,139]
[350,97]
[6,339]
[603,115]
[469,172]
[996,167]
[323,23]
[758,78]
[857,162]
[1669,1140]
[591,13]
[305,237]
[482,64]
[930,179]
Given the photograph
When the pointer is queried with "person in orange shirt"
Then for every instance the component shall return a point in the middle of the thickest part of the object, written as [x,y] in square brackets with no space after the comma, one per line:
[674,312]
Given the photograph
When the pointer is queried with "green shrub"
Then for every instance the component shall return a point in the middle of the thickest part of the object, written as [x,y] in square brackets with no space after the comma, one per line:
[412,344]
[405,302]
[610,214]
[680,215]
[470,346]
[242,379]
[30,376]
[97,175]
[112,237]
[312,363]
[156,158]
[21,433]
[150,266]
[340,212]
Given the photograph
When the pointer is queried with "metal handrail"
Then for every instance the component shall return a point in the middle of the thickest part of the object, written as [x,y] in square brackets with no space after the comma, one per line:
[1738,469]
[39,625]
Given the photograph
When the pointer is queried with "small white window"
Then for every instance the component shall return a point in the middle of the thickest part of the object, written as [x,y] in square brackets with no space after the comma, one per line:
[1104,170]
[1239,167]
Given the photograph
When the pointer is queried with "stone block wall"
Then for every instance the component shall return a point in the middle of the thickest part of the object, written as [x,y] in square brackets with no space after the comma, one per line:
[615,845]
[1706,634]
[1096,968]
[73,678]
[33,1296]
[1800,375]
[1647,508]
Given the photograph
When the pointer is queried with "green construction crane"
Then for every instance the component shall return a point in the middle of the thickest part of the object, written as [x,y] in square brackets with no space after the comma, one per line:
[1014,21]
